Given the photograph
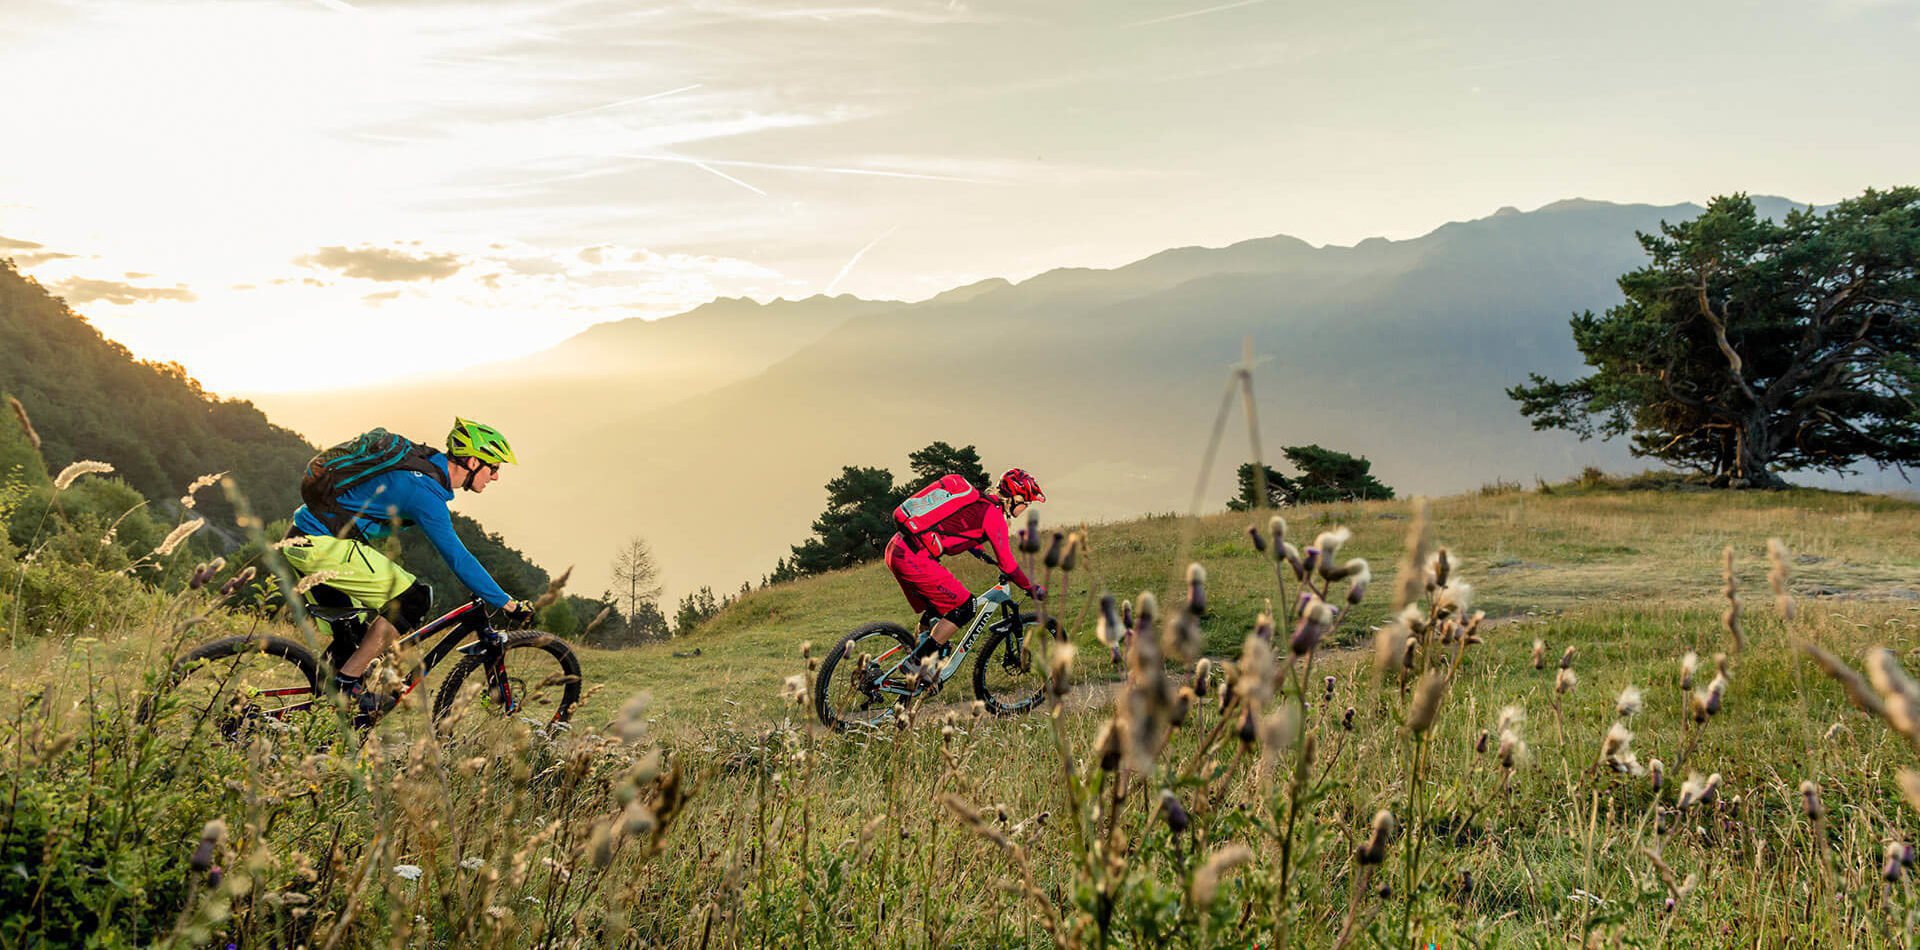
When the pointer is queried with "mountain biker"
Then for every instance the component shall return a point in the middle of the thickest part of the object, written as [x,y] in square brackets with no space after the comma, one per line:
[369,512]
[931,589]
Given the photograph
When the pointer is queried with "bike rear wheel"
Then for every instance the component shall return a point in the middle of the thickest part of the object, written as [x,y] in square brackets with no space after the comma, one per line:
[537,673]
[852,690]
[1010,675]
[237,685]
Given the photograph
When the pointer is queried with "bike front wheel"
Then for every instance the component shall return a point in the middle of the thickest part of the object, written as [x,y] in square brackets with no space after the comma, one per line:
[853,688]
[532,674]
[1010,675]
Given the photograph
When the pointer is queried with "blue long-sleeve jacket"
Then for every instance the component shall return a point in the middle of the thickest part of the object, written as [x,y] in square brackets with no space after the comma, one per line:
[415,500]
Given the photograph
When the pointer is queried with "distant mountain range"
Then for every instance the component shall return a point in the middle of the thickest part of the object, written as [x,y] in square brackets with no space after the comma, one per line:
[711,433]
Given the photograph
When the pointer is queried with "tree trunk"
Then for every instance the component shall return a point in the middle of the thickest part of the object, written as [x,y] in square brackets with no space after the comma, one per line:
[1753,450]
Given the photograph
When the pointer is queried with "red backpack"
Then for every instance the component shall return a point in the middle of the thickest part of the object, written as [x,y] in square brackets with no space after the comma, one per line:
[924,510]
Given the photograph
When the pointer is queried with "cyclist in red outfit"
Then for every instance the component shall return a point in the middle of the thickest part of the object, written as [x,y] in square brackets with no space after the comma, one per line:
[932,589]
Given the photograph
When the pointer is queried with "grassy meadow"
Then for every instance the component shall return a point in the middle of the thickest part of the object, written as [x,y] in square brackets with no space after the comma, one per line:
[1467,792]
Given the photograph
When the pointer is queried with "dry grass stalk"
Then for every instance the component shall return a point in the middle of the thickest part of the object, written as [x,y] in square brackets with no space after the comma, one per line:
[26,422]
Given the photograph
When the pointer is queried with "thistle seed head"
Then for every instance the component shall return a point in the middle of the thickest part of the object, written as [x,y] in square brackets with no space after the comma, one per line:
[1277,529]
[1202,677]
[1316,618]
[1196,589]
[1253,678]
[1346,719]
[1375,850]
[1688,663]
[1657,774]
[1628,703]
[1565,680]
[1071,557]
[1174,813]
[1206,881]
[1055,547]
[1426,702]
[1107,746]
[1566,658]
[211,835]
[1329,543]
[1108,626]
[1259,538]
[1294,559]
[1539,654]
[1810,801]
[1359,574]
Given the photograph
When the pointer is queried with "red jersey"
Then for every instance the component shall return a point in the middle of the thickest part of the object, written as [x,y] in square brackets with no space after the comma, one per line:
[974,526]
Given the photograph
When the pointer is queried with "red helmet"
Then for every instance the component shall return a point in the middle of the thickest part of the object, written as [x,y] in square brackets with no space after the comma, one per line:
[1017,485]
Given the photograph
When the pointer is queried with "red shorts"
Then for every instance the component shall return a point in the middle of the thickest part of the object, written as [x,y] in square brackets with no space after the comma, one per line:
[926,584]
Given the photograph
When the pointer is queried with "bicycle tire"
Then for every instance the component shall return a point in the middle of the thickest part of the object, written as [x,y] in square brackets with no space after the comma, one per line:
[301,659]
[570,678]
[822,687]
[1002,702]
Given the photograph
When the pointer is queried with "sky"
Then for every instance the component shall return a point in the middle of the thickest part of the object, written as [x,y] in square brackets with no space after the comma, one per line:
[306,194]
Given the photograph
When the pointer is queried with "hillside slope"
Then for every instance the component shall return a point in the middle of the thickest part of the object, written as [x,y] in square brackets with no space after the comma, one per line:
[1535,561]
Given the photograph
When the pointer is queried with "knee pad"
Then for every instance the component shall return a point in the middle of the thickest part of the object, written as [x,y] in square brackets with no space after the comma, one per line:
[959,616]
[410,609]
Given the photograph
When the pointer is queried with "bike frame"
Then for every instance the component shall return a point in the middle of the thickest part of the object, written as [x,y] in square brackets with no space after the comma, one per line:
[470,617]
[999,595]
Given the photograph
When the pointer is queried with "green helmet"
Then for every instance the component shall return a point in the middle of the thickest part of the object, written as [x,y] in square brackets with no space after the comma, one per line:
[477,440]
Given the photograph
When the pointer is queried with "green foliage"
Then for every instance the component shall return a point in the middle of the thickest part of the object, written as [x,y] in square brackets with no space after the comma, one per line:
[858,519]
[939,459]
[90,399]
[854,527]
[1325,476]
[694,610]
[1748,347]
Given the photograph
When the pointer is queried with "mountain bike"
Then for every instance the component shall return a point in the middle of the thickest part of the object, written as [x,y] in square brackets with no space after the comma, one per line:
[243,682]
[861,683]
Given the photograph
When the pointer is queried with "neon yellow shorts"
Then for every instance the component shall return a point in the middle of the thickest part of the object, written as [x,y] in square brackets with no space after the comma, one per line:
[361,572]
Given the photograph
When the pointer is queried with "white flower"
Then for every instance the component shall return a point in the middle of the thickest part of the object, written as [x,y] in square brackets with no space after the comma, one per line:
[410,872]
[474,863]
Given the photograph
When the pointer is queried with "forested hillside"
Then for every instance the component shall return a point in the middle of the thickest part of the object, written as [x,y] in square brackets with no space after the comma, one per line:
[89,398]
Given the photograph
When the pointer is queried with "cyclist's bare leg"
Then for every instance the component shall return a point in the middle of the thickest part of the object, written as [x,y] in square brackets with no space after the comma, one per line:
[380,633]
[943,630]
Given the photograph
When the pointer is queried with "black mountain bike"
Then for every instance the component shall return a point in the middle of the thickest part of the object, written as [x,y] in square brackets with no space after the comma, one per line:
[247,681]
[861,683]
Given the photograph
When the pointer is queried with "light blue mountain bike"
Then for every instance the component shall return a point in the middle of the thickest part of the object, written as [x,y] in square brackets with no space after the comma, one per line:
[861,683]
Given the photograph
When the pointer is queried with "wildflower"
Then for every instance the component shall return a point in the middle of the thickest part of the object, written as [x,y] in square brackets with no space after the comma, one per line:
[1329,690]
[1426,702]
[1315,620]
[1656,774]
[1263,625]
[1183,639]
[1206,881]
[1539,654]
[193,487]
[1513,749]
[1328,544]
[1294,560]
[1438,569]
[1698,791]
[313,580]
[1107,746]
[1895,862]
[407,872]
[1566,659]
[1777,577]
[1910,786]
[1249,727]
[1253,678]
[72,473]
[1688,664]
[1480,744]
[1072,555]
[1375,850]
[1616,750]
[1030,538]
[1280,728]
[1509,719]
[178,534]
[26,422]
[1453,601]
[794,689]
[1628,703]
[1309,561]
[211,835]
[1054,548]
[1259,540]
[1810,801]
[1565,680]
[1360,574]
[237,581]
[1391,643]
[977,709]
[204,573]
[1277,527]
[1195,590]
[1108,626]
[1183,701]
[1346,719]
[1146,610]
[1202,677]
[1173,812]
[474,863]
[1060,669]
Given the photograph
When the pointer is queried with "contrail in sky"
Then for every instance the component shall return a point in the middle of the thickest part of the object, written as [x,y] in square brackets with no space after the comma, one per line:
[825,169]
[338,6]
[703,166]
[628,102]
[1193,13]
[834,284]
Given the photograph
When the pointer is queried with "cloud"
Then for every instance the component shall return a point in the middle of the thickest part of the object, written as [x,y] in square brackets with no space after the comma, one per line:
[83,290]
[382,264]
[39,257]
[12,244]
[376,299]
